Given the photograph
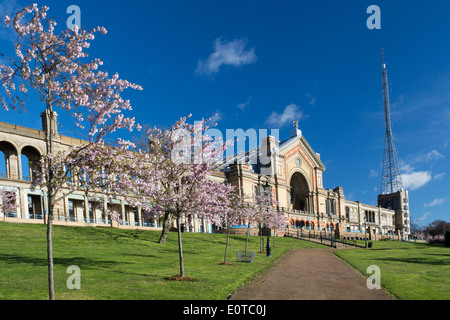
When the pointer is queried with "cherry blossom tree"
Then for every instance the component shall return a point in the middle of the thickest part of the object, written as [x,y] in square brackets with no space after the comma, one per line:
[276,221]
[268,215]
[264,212]
[55,67]
[9,201]
[236,210]
[182,158]
[249,215]
[178,154]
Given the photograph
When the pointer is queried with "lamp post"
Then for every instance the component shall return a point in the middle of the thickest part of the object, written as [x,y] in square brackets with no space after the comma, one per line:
[332,236]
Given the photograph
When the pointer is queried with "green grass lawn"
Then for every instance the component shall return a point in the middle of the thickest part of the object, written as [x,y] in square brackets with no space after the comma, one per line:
[410,271]
[126,264]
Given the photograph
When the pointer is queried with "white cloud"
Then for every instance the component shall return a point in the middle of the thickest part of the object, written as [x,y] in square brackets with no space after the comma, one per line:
[312,97]
[231,53]
[417,159]
[435,202]
[429,156]
[415,180]
[405,167]
[439,176]
[216,117]
[350,196]
[398,102]
[243,105]
[290,113]
[373,174]
[423,217]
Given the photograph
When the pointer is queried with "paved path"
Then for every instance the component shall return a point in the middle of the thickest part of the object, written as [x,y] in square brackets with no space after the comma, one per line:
[310,274]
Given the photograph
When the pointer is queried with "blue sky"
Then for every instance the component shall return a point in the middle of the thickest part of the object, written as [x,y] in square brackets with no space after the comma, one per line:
[262,64]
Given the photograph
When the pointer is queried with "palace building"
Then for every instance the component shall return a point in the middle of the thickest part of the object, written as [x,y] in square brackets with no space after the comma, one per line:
[294,173]
[22,147]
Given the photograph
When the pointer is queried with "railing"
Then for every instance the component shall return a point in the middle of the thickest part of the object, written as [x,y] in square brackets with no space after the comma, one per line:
[11,215]
[6,175]
[323,238]
[9,175]
[38,216]
[84,220]
[148,224]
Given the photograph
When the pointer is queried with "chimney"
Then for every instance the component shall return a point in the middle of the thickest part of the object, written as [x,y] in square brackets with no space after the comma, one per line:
[268,154]
[49,120]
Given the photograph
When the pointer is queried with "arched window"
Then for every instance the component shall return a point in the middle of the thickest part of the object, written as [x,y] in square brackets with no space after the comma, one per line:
[8,161]
[30,160]
[3,167]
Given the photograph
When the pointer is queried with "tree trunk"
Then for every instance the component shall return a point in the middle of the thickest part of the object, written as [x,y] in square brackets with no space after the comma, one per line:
[51,281]
[226,246]
[246,240]
[50,204]
[261,245]
[166,228]
[180,245]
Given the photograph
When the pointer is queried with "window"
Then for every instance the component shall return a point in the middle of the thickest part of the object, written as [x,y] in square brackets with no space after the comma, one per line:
[388,205]
[71,210]
[3,165]
[34,207]
[136,216]
[91,212]
[330,206]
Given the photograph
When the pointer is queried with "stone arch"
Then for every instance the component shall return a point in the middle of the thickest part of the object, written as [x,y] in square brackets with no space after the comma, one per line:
[300,191]
[30,157]
[9,167]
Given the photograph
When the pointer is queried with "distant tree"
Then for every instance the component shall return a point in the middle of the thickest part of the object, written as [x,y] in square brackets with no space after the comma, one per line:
[236,211]
[416,228]
[249,216]
[277,221]
[9,201]
[264,213]
[437,227]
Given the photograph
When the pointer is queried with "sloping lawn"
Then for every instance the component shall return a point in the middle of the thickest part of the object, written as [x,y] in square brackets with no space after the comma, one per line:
[410,271]
[126,264]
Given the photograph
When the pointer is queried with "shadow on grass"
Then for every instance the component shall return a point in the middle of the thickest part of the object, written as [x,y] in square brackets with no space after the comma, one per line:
[416,260]
[438,254]
[142,255]
[79,261]
[113,234]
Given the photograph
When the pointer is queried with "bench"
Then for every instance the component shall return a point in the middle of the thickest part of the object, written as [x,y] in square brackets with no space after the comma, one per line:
[250,257]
